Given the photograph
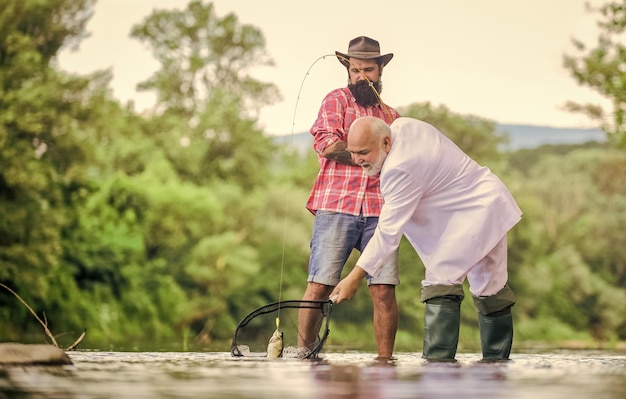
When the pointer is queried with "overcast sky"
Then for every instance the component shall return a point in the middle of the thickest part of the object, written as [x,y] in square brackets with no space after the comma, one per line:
[497,59]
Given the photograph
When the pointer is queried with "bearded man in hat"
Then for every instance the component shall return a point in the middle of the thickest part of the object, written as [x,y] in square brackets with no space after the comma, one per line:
[346,201]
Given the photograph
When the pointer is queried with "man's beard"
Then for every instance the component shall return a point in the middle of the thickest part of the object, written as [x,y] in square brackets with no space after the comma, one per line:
[371,169]
[364,94]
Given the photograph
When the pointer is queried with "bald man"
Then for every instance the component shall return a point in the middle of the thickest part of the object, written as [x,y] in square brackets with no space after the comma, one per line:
[456,215]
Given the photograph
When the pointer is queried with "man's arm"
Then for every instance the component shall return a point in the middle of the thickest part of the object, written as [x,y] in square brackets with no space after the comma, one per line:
[337,152]
[348,286]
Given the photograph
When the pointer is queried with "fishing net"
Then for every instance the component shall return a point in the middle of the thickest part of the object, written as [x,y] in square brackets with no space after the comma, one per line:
[255,331]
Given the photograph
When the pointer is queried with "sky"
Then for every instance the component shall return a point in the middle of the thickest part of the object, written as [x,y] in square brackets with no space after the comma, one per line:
[500,60]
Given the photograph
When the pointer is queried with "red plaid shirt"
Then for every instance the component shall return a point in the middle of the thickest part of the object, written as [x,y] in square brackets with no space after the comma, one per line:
[337,187]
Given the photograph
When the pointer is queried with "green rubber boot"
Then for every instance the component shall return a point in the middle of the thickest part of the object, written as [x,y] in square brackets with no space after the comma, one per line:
[442,320]
[496,334]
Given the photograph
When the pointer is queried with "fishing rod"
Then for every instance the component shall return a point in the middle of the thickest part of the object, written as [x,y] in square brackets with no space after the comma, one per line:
[245,339]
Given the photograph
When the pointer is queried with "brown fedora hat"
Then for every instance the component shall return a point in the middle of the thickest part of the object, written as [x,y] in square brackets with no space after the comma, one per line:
[363,48]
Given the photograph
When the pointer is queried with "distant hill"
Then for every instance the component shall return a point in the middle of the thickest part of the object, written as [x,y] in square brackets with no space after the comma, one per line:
[520,137]
[528,136]
[300,141]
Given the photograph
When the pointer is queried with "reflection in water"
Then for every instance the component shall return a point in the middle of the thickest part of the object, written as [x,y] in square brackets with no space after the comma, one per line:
[429,380]
[336,376]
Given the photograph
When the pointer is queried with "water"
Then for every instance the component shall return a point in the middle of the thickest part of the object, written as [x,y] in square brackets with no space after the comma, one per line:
[557,374]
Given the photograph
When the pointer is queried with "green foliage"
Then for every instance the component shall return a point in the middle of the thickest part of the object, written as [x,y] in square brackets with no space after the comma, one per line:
[571,263]
[603,69]
[39,144]
[200,53]
[205,100]
[33,31]
[524,159]
[235,149]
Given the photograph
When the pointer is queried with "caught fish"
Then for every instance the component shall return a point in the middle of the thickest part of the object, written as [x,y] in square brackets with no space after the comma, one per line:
[275,346]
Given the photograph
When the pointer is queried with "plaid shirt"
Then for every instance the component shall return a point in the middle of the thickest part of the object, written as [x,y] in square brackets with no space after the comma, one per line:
[337,187]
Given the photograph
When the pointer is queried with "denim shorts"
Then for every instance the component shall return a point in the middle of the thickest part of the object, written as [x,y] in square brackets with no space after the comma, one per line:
[335,235]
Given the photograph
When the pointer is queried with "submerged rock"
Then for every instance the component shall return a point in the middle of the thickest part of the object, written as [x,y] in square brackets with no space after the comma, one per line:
[32,354]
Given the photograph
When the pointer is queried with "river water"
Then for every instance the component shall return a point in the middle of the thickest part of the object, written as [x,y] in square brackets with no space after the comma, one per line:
[554,374]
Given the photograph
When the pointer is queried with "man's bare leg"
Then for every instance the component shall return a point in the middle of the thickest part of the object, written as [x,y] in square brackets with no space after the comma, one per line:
[309,319]
[385,318]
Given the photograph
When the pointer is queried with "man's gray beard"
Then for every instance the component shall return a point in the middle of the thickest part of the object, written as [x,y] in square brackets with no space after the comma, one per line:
[371,171]
[364,94]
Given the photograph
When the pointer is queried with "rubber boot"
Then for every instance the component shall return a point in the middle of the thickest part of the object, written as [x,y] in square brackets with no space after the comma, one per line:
[496,335]
[442,321]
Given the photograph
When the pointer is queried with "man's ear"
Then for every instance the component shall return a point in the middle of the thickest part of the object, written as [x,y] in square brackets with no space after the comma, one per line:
[387,143]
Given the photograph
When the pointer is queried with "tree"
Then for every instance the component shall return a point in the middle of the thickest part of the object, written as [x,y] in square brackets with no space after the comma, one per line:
[205,116]
[603,69]
[200,53]
[39,141]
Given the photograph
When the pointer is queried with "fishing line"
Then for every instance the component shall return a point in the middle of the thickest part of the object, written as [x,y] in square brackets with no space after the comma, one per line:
[290,146]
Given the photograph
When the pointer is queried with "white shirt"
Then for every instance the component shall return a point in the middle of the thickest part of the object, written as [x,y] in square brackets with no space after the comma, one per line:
[452,210]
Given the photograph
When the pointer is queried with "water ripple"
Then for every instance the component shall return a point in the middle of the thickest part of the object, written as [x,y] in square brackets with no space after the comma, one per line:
[558,374]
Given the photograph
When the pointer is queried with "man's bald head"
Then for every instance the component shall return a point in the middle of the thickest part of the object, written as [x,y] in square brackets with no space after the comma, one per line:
[369,141]
[367,128]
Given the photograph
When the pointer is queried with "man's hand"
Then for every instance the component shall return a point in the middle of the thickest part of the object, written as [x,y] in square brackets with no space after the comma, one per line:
[348,286]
